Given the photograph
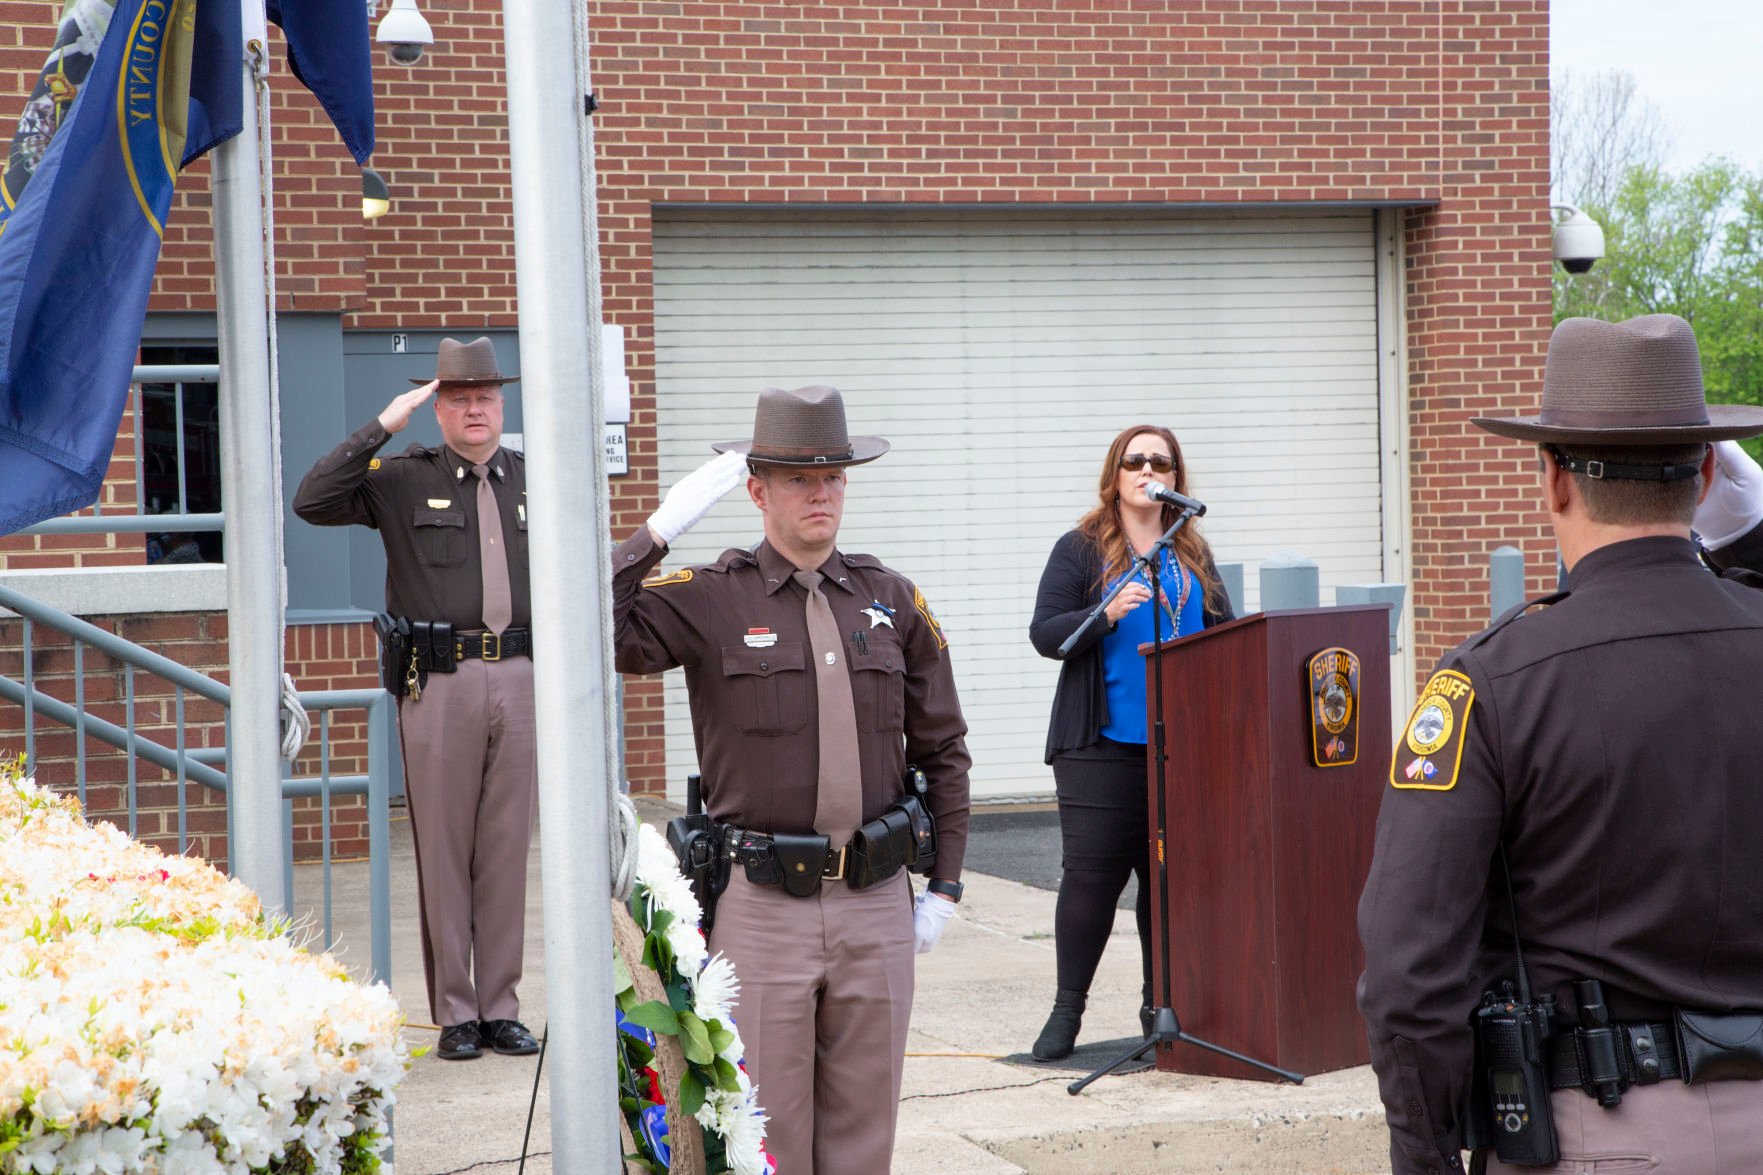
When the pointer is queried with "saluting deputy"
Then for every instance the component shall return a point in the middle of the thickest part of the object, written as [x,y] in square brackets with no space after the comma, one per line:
[1602,745]
[814,676]
[453,522]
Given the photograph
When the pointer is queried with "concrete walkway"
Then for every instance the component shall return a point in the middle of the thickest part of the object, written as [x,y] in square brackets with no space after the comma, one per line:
[966,1109]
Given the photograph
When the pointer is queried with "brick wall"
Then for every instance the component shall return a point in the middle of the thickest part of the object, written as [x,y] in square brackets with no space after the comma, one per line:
[1441,103]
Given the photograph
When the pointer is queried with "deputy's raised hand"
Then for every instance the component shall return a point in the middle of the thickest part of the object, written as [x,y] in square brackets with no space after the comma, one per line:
[693,495]
[1734,505]
[1130,597]
[397,414]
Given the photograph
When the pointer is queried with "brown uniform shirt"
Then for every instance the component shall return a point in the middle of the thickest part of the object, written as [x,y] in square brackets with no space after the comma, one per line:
[424,504]
[1612,740]
[738,626]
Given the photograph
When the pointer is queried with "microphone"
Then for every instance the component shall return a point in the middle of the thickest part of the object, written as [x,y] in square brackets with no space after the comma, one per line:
[1158,492]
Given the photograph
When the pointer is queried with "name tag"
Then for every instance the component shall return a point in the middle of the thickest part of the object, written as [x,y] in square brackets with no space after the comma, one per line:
[440,503]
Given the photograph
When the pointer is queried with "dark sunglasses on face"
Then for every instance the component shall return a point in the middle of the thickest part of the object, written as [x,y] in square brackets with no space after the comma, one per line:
[1133,462]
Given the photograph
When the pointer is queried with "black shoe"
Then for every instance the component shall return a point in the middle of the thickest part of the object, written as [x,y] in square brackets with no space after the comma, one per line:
[460,1042]
[1059,1036]
[510,1038]
[1146,1014]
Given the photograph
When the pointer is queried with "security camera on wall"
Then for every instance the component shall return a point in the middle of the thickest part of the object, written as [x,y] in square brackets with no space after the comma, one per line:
[404,33]
[1577,241]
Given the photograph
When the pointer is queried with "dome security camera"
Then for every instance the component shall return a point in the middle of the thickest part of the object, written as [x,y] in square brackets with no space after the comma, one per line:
[404,33]
[1577,241]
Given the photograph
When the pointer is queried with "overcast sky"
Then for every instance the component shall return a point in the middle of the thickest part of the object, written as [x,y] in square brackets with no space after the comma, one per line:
[1698,61]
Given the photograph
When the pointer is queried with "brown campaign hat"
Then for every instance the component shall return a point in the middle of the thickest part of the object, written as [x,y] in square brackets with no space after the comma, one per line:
[467,363]
[1626,383]
[804,427]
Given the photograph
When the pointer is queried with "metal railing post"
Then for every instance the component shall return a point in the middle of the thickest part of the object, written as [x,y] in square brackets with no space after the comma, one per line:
[379,833]
[1505,581]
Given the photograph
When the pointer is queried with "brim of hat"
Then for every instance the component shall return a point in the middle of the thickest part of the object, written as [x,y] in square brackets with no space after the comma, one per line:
[1726,422]
[469,383]
[863,449]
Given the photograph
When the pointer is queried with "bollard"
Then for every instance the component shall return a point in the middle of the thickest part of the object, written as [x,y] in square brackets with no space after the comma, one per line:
[1290,580]
[1391,594]
[1231,575]
[1505,581]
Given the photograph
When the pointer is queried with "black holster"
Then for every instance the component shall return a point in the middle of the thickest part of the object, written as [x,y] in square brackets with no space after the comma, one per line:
[916,805]
[903,837]
[395,652]
[696,841]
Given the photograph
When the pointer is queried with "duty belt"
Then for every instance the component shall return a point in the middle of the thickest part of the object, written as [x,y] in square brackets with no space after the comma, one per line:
[746,847]
[1645,1053]
[515,642]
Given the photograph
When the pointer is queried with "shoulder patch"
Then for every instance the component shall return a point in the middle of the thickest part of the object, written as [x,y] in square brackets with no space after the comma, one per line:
[683,575]
[1431,749]
[918,601]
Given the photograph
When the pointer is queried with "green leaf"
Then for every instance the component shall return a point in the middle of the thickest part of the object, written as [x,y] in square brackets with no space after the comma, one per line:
[691,1092]
[621,974]
[720,1037]
[726,1080]
[695,1040]
[655,1016]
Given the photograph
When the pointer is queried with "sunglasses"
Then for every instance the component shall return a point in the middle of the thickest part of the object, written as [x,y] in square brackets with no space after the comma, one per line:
[1159,463]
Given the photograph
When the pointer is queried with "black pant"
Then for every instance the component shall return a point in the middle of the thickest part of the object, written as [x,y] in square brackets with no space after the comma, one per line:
[1104,831]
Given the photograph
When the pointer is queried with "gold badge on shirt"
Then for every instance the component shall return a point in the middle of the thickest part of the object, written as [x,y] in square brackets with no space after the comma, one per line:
[1334,708]
[1431,750]
[373,464]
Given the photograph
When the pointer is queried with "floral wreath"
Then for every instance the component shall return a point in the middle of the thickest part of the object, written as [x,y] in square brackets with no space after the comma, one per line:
[686,1101]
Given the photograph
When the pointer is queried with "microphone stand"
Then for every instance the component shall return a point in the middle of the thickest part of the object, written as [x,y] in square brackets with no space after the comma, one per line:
[1165,1025]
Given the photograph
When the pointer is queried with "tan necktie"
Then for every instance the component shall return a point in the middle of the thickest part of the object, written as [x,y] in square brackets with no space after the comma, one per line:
[838,806]
[498,597]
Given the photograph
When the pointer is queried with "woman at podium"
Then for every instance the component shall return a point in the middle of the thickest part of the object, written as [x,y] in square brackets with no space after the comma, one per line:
[1097,734]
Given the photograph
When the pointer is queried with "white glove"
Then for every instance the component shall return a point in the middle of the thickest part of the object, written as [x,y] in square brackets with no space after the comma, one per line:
[693,495]
[929,915]
[1734,504]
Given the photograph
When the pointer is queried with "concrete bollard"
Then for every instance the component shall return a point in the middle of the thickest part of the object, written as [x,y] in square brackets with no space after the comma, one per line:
[1231,574]
[1377,593]
[1290,580]
[1505,581]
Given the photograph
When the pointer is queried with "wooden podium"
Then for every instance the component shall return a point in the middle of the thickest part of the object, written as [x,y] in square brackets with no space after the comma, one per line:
[1267,851]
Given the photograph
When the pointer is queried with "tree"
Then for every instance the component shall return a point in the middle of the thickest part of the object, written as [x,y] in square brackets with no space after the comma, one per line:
[1599,131]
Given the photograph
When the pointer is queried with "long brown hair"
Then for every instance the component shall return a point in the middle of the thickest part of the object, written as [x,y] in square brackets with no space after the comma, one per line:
[1102,524]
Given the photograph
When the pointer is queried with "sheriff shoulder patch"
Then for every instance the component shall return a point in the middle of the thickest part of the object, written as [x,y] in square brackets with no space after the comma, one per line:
[683,575]
[1431,749]
[918,601]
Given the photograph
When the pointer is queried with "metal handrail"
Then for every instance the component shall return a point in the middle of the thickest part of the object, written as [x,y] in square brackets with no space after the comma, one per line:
[189,765]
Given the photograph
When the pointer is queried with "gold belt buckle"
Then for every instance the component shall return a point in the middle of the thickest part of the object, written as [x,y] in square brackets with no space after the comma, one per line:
[835,867]
[489,639]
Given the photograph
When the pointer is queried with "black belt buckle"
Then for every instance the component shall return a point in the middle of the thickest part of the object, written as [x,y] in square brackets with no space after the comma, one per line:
[492,639]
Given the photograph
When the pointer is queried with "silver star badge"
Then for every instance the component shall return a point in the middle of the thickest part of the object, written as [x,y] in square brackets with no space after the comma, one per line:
[878,616]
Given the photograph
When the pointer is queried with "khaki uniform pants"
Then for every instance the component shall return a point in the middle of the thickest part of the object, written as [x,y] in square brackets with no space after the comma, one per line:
[471,781]
[1667,1129]
[826,994]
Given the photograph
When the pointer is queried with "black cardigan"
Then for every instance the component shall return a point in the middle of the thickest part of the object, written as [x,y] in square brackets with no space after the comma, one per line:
[1070,589]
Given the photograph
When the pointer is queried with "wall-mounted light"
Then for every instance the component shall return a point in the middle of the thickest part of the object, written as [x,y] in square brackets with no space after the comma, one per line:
[404,33]
[1576,241]
[376,199]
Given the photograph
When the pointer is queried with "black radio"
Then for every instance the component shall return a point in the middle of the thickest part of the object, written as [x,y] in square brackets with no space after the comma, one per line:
[1509,1036]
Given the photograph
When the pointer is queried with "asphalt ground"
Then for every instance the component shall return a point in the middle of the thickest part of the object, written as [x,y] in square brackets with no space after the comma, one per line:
[1021,842]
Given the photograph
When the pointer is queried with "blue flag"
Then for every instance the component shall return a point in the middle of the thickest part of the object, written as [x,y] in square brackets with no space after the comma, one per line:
[132,91]
[329,50]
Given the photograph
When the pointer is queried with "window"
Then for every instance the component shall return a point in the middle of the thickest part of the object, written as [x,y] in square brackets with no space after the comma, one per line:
[179,466]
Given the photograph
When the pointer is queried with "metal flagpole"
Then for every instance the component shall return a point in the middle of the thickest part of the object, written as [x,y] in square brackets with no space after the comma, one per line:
[253,558]
[563,433]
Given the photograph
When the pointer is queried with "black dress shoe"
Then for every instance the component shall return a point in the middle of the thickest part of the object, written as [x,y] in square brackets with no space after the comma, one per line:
[510,1038]
[460,1042]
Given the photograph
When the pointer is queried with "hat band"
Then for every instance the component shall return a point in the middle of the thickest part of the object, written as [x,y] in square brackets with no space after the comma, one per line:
[799,453]
[1658,418]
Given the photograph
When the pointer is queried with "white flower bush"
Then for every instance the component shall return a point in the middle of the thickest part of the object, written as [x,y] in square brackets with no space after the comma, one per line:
[152,1020]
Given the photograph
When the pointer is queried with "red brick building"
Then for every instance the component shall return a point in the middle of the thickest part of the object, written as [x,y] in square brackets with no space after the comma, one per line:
[1310,235]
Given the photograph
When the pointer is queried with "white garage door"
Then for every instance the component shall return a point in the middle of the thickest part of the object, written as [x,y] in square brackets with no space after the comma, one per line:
[1000,354]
